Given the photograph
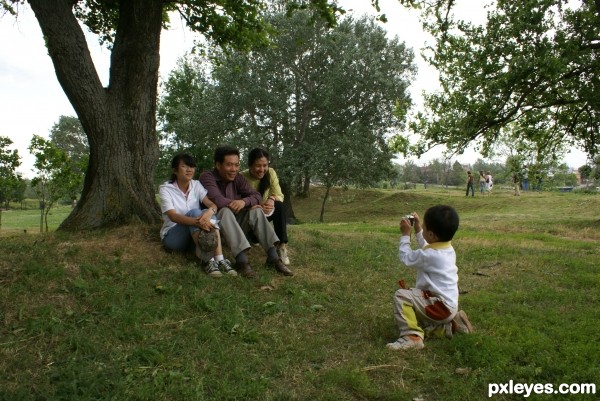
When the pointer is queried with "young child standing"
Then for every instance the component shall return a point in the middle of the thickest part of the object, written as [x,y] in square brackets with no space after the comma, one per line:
[432,306]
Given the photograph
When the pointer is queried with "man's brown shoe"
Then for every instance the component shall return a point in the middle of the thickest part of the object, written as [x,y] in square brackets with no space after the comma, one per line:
[245,270]
[280,267]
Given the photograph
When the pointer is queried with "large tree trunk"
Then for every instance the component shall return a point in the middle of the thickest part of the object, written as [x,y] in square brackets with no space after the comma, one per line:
[120,120]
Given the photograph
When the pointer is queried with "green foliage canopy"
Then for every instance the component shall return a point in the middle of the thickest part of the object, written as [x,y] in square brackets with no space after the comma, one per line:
[323,100]
[534,65]
[10,181]
[67,134]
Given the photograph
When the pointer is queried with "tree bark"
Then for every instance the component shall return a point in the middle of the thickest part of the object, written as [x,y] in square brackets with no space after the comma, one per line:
[120,120]
[328,186]
[287,202]
[306,185]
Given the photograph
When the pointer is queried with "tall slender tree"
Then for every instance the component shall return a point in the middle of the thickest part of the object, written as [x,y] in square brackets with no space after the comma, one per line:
[55,178]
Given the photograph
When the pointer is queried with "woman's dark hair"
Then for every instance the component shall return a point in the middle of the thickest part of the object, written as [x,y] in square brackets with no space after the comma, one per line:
[442,220]
[187,159]
[255,154]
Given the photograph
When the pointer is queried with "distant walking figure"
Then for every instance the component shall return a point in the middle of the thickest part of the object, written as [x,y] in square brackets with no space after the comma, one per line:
[470,184]
[525,178]
[489,183]
[515,179]
[481,182]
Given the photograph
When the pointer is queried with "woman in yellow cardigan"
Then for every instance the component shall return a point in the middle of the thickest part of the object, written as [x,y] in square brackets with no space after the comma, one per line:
[264,179]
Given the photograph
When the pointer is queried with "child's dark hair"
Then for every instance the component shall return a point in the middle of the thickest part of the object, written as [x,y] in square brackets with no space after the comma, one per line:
[442,220]
[255,154]
[186,158]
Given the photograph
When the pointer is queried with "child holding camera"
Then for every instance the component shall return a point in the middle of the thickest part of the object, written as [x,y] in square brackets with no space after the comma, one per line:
[432,306]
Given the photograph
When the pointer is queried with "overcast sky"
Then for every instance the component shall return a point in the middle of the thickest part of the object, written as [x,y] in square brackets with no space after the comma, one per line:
[31,100]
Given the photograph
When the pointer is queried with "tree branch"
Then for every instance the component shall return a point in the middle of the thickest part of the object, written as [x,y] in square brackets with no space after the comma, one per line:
[69,52]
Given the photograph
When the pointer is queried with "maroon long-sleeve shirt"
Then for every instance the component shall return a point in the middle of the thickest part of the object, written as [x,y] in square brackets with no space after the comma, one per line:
[222,192]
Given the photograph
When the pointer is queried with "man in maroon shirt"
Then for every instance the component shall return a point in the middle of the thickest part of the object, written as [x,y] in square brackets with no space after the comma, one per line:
[239,211]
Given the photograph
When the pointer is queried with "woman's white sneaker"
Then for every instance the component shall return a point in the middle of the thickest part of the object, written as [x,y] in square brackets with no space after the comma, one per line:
[283,254]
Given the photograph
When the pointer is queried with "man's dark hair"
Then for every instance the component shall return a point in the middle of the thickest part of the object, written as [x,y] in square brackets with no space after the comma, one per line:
[442,220]
[223,151]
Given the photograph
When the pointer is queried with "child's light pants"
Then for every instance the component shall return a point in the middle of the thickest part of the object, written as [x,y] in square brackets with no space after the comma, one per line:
[419,312]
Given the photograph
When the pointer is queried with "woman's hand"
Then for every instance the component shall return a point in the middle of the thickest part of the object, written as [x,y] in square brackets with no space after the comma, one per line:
[268,206]
[203,221]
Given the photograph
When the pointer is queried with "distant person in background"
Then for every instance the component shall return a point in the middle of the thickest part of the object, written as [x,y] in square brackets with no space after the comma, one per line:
[538,182]
[516,184]
[525,177]
[481,182]
[185,226]
[264,179]
[470,184]
[489,183]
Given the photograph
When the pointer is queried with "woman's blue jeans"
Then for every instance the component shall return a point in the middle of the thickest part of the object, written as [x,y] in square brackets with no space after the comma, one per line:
[179,238]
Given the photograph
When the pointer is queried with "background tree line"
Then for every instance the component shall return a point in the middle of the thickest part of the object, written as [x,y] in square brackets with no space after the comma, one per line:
[449,173]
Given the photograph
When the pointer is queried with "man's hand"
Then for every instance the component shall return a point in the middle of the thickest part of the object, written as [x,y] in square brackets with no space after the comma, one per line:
[236,206]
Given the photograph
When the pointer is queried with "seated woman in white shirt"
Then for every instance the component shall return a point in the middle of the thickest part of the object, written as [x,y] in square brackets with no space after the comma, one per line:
[185,225]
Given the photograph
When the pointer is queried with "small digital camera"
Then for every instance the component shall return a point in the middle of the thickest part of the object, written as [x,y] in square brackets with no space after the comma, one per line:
[410,218]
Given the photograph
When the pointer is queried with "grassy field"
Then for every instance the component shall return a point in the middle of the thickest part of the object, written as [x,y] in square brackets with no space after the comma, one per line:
[106,315]
[28,220]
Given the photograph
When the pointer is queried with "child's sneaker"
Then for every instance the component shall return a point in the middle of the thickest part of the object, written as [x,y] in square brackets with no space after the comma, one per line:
[225,267]
[406,342]
[212,268]
[461,323]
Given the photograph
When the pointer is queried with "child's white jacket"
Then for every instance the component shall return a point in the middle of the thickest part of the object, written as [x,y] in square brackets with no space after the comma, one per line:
[436,267]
